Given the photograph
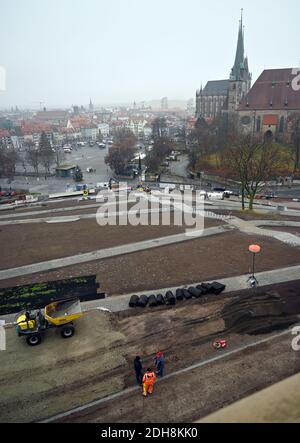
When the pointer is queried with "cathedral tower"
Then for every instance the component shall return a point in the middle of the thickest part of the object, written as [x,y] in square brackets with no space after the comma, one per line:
[240,77]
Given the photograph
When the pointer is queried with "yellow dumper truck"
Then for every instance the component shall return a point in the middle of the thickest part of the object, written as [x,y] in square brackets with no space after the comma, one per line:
[59,314]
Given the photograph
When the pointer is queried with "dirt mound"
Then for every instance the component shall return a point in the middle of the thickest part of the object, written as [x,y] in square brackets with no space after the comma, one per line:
[262,312]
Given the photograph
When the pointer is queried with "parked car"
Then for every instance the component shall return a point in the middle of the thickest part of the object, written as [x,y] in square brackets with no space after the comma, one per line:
[215,195]
[225,191]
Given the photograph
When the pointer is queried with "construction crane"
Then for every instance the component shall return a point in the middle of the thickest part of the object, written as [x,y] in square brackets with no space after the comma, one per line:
[40,103]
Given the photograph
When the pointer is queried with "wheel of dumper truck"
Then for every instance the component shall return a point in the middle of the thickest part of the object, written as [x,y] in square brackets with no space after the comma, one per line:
[67,331]
[34,340]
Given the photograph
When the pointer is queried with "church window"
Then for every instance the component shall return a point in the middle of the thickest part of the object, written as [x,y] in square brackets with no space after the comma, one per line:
[281,125]
[258,124]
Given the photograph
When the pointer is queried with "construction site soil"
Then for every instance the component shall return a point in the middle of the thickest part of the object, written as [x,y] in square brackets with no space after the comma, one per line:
[61,374]
[195,260]
[31,243]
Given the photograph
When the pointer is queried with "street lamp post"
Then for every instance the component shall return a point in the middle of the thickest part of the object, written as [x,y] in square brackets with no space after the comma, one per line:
[254,249]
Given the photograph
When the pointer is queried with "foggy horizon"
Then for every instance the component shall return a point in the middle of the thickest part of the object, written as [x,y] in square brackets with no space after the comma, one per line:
[65,52]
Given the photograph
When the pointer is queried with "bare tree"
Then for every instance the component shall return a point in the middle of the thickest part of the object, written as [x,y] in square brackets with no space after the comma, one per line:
[121,152]
[252,161]
[159,126]
[45,152]
[162,147]
[33,157]
[294,123]
[9,158]
[202,141]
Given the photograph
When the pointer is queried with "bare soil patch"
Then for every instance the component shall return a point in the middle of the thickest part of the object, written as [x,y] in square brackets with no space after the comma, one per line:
[31,243]
[180,264]
[98,360]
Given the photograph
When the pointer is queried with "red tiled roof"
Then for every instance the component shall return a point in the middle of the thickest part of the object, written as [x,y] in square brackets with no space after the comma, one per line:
[270,119]
[33,127]
[273,90]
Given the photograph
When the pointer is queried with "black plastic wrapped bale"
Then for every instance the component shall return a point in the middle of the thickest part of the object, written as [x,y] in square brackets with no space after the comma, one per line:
[187,295]
[196,293]
[152,301]
[207,288]
[170,297]
[179,294]
[160,300]
[201,289]
[134,301]
[218,288]
[143,301]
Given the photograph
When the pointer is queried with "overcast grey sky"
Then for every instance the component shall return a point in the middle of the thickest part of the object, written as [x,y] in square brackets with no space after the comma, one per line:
[65,51]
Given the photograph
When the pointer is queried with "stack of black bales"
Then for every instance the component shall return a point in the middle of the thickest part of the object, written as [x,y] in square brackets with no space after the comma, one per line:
[215,288]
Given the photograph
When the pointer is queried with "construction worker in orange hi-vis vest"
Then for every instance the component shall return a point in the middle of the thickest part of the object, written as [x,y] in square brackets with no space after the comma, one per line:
[148,382]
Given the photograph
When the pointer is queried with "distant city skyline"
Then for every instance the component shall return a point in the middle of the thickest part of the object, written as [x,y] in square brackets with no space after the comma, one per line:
[64,52]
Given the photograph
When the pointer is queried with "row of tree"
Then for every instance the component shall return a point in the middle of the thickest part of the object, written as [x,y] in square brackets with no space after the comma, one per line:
[43,155]
[162,146]
[252,162]
[8,160]
[249,158]
[215,138]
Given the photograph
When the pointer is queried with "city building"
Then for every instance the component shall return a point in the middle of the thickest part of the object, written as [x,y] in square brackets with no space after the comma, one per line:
[104,129]
[52,117]
[272,101]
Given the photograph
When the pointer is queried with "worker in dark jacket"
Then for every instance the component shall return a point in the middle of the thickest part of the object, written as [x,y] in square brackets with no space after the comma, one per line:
[138,369]
[160,364]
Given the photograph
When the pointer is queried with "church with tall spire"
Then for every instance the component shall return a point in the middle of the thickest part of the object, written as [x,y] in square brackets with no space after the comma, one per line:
[226,95]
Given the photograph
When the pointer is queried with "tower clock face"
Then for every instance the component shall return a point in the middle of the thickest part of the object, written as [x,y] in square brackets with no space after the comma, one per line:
[245,120]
